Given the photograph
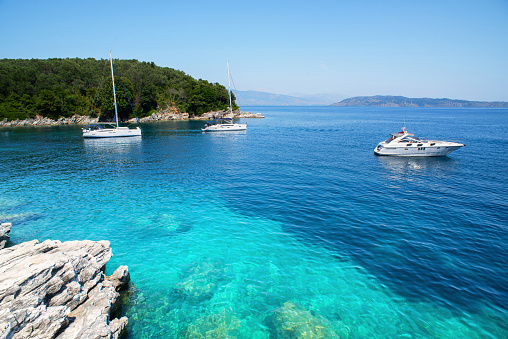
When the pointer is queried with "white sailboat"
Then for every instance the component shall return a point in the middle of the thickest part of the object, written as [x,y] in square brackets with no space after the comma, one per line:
[225,124]
[111,130]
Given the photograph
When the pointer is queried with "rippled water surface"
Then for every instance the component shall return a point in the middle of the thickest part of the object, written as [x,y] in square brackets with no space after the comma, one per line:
[292,229]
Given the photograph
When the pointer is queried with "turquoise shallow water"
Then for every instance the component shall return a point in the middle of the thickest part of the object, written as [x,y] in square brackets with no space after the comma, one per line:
[290,229]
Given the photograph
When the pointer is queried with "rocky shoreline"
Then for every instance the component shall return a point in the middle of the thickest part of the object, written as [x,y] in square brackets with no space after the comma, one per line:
[171,113]
[161,115]
[220,114]
[58,290]
[44,121]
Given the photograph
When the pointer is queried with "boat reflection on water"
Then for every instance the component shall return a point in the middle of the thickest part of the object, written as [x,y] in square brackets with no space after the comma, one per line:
[229,140]
[406,167]
[226,134]
[112,145]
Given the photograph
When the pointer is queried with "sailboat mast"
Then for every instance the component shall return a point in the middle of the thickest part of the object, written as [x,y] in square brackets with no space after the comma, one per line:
[229,91]
[114,93]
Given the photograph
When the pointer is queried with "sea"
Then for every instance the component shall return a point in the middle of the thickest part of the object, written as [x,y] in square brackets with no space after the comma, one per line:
[291,229]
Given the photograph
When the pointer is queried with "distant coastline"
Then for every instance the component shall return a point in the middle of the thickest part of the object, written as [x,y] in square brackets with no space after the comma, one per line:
[400,101]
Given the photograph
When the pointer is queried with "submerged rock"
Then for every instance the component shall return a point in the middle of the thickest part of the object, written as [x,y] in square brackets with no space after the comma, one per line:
[293,321]
[200,281]
[57,290]
[222,324]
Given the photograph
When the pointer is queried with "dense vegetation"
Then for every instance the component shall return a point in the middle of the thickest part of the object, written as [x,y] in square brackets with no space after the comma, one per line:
[63,87]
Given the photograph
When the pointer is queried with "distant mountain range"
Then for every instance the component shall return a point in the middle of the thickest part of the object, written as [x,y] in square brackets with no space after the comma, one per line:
[399,101]
[255,98]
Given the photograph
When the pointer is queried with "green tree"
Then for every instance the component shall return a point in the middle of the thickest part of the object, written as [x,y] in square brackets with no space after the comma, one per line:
[48,103]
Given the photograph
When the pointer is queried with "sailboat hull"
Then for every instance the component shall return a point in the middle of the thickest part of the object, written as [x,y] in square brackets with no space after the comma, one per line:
[225,127]
[118,132]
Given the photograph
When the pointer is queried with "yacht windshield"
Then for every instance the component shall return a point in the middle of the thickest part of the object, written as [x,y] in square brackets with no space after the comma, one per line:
[409,139]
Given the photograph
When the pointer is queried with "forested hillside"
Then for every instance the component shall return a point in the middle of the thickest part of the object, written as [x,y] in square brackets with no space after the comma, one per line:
[63,87]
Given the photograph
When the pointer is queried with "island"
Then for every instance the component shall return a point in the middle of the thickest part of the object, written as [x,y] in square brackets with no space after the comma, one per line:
[400,101]
[74,91]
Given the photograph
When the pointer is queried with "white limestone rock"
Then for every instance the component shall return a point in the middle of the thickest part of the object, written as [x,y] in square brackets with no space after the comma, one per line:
[169,113]
[225,113]
[41,121]
[91,319]
[120,277]
[57,290]
[33,322]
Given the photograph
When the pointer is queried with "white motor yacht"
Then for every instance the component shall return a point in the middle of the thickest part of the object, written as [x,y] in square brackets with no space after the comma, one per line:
[406,144]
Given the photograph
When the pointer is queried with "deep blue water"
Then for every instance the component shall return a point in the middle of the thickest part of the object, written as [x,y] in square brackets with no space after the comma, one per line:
[224,232]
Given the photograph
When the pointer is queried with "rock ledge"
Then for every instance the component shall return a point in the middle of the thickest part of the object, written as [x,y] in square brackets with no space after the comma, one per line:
[5,228]
[58,290]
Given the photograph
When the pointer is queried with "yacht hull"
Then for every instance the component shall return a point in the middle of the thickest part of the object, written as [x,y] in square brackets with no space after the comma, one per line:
[413,151]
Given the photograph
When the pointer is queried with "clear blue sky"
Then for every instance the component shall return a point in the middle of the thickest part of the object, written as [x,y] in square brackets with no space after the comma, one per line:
[448,48]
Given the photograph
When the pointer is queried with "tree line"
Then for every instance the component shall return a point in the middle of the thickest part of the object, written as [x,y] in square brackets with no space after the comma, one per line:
[57,88]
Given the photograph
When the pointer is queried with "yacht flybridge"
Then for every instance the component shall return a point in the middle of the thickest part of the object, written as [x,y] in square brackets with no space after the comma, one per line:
[110,129]
[406,144]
